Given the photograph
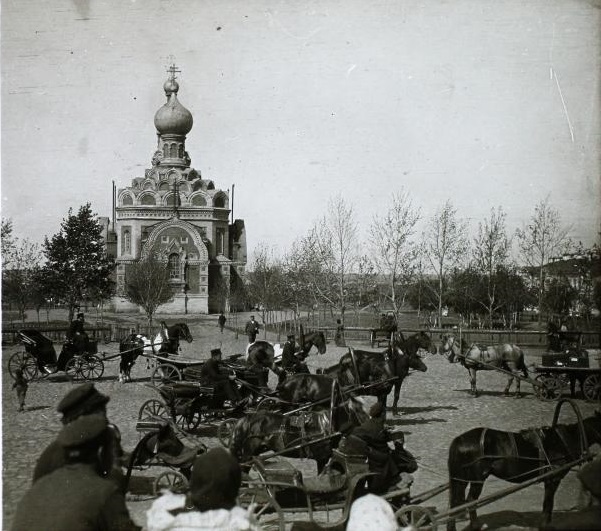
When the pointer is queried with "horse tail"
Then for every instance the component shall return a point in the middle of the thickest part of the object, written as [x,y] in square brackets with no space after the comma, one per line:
[456,468]
[523,363]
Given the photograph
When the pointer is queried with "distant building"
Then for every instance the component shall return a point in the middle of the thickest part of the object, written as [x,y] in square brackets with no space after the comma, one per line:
[175,214]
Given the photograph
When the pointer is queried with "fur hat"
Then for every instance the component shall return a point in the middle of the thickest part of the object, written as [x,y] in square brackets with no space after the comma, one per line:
[216,351]
[82,400]
[80,316]
[215,481]
[290,336]
[376,410]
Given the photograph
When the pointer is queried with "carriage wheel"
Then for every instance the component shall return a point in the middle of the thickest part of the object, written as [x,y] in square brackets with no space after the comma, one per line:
[25,362]
[92,367]
[165,373]
[171,480]
[153,409]
[187,420]
[417,517]
[73,368]
[552,388]
[591,387]
[225,431]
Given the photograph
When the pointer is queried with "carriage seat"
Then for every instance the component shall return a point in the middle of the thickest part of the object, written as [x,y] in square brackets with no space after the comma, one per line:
[186,390]
[348,464]
[166,446]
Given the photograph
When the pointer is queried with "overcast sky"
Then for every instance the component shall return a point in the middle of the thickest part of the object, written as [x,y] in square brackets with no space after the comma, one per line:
[484,102]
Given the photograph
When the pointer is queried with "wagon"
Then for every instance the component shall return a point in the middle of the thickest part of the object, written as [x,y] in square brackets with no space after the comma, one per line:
[39,358]
[159,449]
[170,368]
[188,404]
[558,370]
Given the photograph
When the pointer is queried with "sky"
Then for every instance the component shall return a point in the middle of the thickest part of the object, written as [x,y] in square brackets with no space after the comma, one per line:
[484,102]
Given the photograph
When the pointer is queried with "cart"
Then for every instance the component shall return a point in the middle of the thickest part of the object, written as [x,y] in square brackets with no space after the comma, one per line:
[170,369]
[160,447]
[39,359]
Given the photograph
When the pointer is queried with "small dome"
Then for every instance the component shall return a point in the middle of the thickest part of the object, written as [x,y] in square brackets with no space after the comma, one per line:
[173,117]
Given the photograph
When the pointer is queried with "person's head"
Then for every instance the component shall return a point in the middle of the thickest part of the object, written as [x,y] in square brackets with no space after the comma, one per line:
[291,337]
[80,317]
[216,354]
[376,411]
[252,317]
[163,324]
[371,512]
[215,481]
[83,439]
[84,399]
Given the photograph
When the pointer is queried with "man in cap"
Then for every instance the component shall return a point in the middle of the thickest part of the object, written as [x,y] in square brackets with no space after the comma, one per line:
[371,439]
[75,496]
[214,486]
[251,329]
[81,401]
[212,373]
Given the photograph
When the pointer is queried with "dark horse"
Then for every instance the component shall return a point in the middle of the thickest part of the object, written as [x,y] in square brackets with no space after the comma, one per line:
[135,345]
[506,357]
[515,457]
[264,430]
[308,341]
[362,367]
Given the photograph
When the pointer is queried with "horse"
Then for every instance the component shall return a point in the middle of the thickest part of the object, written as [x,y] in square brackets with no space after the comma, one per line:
[506,357]
[265,430]
[135,345]
[515,457]
[301,388]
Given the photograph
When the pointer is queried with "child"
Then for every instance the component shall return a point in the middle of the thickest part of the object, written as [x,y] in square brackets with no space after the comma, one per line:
[21,386]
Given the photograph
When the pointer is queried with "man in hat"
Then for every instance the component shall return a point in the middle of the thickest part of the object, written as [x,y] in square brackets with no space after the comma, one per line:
[293,360]
[75,496]
[77,334]
[371,439]
[81,401]
[212,373]
[251,329]
[214,486]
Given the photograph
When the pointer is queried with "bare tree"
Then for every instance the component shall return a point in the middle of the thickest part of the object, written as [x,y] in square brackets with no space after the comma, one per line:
[147,285]
[543,238]
[333,243]
[491,252]
[445,246]
[395,250]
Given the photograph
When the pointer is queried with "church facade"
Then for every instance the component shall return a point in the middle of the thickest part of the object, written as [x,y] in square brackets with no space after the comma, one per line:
[175,215]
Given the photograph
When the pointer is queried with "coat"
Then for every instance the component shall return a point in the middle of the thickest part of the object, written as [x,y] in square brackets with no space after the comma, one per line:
[289,359]
[73,497]
[210,372]
[251,328]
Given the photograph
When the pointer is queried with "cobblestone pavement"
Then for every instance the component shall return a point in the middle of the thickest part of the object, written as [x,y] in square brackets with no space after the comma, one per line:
[435,408]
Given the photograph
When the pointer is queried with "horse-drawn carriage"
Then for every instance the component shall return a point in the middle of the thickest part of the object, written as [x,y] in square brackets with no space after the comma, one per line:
[561,370]
[40,360]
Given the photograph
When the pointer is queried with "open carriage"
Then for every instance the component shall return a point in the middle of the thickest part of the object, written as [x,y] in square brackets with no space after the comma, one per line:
[161,449]
[40,360]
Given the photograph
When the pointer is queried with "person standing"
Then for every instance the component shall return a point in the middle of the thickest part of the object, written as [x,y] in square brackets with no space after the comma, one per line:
[21,386]
[251,329]
[165,346]
[81,401]
[339,337]
[75,496]
[221,321]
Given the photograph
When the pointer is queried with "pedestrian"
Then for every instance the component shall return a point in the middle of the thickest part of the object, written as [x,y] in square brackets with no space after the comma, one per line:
[21,386]
[251,329]
[76,496]
[83,400]
[77,335]
[221,321]
[214,486]
[339,337]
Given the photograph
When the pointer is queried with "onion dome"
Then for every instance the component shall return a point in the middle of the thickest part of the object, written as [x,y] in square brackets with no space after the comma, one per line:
[173,117]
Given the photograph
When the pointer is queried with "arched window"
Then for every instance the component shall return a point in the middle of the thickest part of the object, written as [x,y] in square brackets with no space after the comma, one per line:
[219,202]
[199,200]
[148,199]
[126,242]
[127,200]
[174,267]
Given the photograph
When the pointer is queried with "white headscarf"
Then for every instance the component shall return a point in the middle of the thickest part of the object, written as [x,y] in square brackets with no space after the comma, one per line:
[371,512]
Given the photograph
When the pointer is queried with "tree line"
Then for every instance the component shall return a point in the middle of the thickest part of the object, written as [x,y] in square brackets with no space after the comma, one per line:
[431,270]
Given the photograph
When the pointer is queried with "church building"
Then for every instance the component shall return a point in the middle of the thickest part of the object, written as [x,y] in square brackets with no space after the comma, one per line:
[182,219]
